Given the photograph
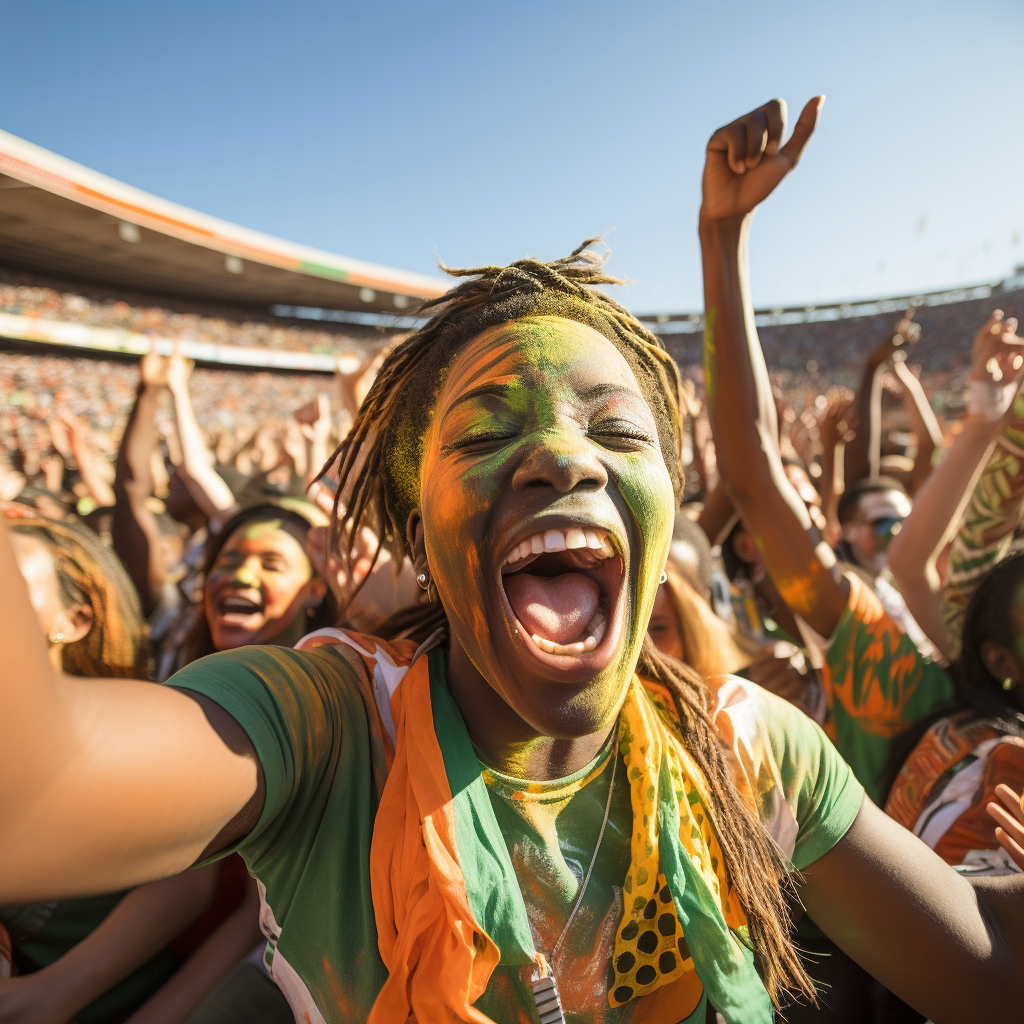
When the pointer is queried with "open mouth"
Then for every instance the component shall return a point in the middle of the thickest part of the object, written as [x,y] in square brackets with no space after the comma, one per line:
[562,586]
[234,609]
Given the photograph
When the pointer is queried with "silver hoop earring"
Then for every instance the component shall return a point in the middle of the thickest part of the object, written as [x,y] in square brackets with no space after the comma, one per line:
[664,577]
[423,581]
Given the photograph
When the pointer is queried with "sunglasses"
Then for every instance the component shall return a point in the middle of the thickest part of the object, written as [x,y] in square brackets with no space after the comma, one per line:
[885,528]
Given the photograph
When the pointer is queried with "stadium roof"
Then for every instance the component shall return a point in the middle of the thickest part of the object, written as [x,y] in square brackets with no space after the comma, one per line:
[59,217]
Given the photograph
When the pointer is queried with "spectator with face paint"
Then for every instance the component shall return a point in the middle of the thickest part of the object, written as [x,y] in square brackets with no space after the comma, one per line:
[426,813]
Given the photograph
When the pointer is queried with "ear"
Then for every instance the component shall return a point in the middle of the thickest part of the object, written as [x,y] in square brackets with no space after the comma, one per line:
[1001,662]
[414,538]
[317,590]
[76,622]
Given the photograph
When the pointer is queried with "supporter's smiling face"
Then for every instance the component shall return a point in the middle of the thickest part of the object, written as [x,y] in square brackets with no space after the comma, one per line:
[258,587]
[547,511]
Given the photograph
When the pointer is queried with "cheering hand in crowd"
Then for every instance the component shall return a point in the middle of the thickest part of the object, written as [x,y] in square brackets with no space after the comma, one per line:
[745,159]
[1010,819]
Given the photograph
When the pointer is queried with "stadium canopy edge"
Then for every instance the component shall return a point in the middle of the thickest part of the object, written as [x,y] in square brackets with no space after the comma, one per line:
[59,217]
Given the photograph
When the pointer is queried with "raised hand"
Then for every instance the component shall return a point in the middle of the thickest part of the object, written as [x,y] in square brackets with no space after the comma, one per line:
[153,370]
[179,370]
[998,352]
[906,333]
[747,159]
[1010,821]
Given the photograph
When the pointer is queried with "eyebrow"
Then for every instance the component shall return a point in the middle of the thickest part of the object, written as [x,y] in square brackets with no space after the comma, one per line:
[493,390]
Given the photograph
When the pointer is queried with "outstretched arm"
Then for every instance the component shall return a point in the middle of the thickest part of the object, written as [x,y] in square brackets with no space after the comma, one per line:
[939,504]
[106,783]
[950,948]
[745,162]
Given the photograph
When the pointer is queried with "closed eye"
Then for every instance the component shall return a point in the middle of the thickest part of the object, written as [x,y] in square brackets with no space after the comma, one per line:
[620,435]
[482,442]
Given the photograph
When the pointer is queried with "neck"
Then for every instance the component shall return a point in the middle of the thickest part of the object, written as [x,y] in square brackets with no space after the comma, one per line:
[506,741]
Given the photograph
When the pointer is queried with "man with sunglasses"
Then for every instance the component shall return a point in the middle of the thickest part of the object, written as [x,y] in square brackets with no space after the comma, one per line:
[871,513]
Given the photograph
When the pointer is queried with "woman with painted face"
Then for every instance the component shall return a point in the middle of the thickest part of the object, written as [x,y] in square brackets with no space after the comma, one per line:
[100,957]
[519,807]
[260,585]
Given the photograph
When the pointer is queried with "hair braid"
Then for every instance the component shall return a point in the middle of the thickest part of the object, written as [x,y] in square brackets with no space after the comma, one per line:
[379,465]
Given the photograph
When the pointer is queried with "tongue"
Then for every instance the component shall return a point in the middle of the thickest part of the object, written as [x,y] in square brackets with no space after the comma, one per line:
[556,608]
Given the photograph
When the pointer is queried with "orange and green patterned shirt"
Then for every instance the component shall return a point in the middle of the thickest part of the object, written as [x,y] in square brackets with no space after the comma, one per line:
[877,686]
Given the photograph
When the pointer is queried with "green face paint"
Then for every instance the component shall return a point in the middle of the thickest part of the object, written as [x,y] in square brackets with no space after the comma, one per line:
[541,425]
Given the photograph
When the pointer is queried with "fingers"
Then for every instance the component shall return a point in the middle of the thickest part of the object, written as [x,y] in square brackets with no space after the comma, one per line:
[803,129]
[775,114]
[1013,801]
[747,138]
[757,136]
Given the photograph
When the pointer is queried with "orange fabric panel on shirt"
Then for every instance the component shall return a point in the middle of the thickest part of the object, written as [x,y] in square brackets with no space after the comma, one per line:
[974,829]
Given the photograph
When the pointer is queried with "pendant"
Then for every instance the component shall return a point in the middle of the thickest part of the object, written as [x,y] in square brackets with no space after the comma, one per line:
[545,996]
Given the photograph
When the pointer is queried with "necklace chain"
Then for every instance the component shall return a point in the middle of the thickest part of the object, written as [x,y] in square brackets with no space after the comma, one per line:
[593,859]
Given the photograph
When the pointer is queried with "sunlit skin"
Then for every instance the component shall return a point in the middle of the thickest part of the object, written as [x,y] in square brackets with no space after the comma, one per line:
[259,588]
[664,626]
[35,560]
[540,424]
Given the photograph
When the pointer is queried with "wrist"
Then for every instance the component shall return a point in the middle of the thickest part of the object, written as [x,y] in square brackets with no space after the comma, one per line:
[723,229]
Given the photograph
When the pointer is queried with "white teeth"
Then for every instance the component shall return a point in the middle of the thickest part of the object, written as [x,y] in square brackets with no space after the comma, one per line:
[575,538]
[554,540]
[597,626]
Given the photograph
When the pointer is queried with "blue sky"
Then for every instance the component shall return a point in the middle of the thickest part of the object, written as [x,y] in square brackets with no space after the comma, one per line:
[480,132]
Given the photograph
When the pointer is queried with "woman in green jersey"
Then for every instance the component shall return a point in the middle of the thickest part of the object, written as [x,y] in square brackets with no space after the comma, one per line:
[513,807]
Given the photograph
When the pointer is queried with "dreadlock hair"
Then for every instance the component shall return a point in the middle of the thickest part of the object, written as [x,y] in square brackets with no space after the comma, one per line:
[379,474]
[987,620]
[89,573]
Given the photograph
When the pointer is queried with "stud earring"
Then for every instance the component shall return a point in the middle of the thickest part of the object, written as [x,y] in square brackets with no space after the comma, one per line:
[56,638]
[664,577]
[1008,683]
[423,580]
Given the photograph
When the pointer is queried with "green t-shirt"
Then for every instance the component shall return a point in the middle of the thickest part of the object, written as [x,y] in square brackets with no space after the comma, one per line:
[43,932]
[314,723]
[877,687]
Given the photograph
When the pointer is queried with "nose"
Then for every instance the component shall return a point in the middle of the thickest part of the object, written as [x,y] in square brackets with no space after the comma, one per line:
[246,574]
[563,460]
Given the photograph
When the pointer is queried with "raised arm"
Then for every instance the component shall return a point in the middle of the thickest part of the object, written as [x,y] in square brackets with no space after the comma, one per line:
[208,490]
[106,783]
[939,504]
[926,426]
[90,465]
[863,452]
[988,523]
[746,160]
[136,536]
